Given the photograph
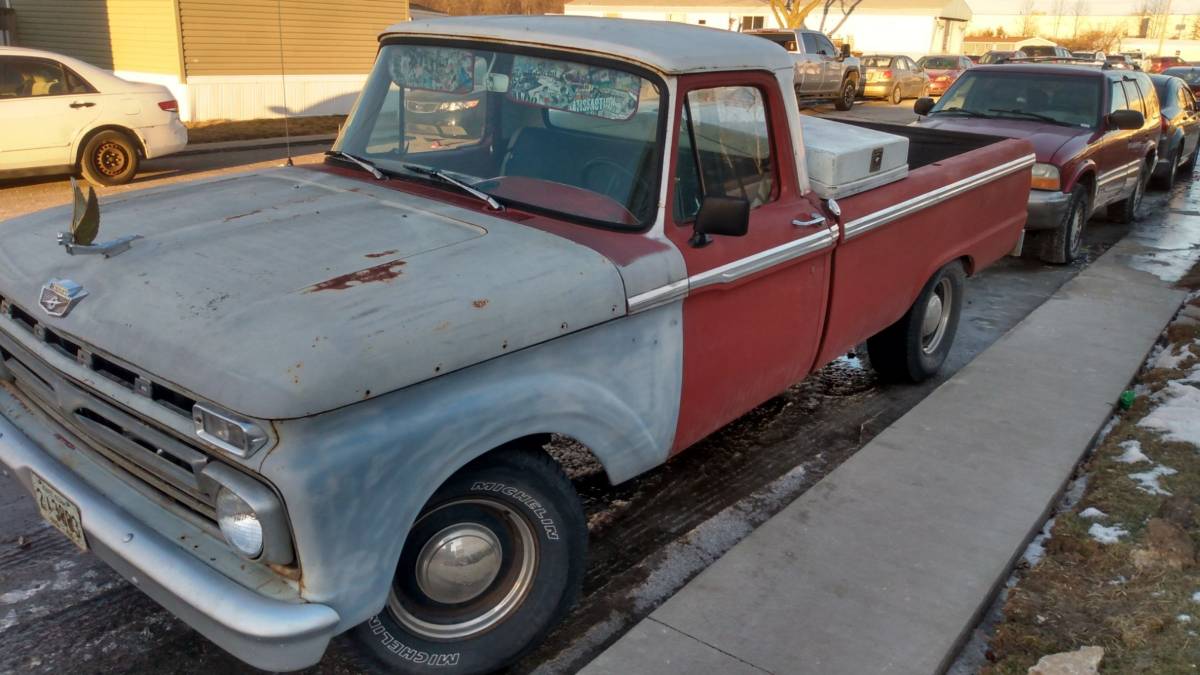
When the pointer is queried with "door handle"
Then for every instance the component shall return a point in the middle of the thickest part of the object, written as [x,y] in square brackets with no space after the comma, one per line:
[816,220]
[77,104]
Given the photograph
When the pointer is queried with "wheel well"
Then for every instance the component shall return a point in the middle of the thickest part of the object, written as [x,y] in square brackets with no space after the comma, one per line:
[852,75]
[576,460]
[1088,179]
[968,264]
[137,142]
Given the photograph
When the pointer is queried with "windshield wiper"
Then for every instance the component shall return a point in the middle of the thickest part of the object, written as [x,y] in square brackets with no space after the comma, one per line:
[1036,116]
[450,180]
[965,111]
[374,170]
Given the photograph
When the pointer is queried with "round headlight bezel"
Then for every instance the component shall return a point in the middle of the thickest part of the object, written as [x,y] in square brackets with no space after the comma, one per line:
[240,524]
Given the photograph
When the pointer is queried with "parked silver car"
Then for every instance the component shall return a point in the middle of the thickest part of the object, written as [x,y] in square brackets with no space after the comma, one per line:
[894,77]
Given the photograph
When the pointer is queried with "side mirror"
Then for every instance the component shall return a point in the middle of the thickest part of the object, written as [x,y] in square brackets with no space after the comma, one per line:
[845,50]
[727,216]
[923,105]
[1126,119]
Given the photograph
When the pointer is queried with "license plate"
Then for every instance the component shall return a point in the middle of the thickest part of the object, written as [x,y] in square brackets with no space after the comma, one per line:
[59,511]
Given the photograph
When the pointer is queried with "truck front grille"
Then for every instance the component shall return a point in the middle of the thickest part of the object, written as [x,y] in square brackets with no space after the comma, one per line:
[146,450]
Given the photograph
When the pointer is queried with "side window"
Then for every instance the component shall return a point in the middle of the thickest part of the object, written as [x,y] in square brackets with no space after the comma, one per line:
[27,78]
[810,43]
[1149,98]
[825,46]
[724,149]
[1134,97]
[76,84]
[1119,101]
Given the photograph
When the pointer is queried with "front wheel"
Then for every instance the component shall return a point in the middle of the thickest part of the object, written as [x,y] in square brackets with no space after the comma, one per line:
[846,100]
[897,95]
[1065,243]
[914,348]
[491,564]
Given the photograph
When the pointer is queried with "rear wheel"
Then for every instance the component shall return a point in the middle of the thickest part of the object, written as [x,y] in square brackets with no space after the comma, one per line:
[1167,180]
[914,348]
[1130,209]
[1190,165]
[845,100]
[489,567]
[109,158]
[897,96]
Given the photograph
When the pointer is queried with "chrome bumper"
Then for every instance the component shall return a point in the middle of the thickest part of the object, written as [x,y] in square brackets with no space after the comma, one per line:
[1046,209]
[264,632]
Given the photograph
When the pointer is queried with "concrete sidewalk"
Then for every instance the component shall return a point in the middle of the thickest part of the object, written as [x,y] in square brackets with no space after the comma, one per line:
[886,564]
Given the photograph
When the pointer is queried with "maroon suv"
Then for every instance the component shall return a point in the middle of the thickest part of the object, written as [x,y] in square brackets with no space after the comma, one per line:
[1095,132]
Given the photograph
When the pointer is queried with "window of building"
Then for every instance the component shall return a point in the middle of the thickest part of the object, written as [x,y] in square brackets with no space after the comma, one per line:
[752,22]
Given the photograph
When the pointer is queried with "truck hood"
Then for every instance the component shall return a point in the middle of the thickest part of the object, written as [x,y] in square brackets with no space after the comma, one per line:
[289,292]
[1046,138]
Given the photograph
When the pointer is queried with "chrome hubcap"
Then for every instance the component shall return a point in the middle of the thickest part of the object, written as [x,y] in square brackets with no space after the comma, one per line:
[459,563]
[471,574]
[937,316]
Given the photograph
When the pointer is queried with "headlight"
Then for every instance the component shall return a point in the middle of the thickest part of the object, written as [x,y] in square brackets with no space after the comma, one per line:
[451,106]
[239,523]
[241,437]
[1045,177]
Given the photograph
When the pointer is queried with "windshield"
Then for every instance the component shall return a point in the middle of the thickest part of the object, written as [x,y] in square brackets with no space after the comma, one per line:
[940,62]
[1040,50]
[580,140]
[877,61]
[1189,75]
[1059,99]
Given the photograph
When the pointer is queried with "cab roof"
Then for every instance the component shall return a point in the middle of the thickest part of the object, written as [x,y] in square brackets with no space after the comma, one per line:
[667,47]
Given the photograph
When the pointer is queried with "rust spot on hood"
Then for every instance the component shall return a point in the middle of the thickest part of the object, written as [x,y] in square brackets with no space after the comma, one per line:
[479,304]
[381,254]
[379,273]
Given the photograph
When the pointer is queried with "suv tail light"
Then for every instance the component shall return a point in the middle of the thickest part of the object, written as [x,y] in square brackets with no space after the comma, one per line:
[887,74]
[169,106]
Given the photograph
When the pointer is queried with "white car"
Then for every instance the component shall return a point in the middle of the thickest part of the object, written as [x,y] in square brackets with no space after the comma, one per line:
[62,115]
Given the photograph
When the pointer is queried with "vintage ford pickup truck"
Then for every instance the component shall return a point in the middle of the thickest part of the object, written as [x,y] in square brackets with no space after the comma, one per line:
[314,400]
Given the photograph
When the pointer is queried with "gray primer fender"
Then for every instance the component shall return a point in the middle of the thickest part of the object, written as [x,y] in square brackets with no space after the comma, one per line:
[354,479]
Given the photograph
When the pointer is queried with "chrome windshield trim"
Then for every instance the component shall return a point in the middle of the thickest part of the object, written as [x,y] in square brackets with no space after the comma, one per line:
[733,271]
[871,221]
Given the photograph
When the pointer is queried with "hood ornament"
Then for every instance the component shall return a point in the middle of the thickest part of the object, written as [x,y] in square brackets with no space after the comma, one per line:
[85,225]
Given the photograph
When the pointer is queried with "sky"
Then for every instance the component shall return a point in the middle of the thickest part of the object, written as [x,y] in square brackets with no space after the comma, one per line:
[1094,6]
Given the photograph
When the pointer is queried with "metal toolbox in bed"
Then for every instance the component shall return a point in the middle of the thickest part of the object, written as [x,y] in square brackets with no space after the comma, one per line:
[844,159]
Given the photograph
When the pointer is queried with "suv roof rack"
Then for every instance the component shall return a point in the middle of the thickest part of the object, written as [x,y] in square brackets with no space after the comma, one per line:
[1068,60]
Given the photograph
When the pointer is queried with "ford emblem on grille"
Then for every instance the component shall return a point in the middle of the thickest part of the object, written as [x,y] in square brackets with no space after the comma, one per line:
[59,296]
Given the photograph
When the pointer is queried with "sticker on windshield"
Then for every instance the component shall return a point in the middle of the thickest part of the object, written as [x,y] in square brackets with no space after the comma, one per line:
[575,87]
[433,69]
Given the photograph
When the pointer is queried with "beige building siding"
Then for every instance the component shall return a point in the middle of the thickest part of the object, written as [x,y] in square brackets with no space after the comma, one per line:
[241,37]
[123,35]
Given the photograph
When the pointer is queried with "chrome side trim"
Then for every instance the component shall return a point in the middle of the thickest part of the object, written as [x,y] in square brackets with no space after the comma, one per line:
[733,271]
[1119,173]
[658,297]
[871,221]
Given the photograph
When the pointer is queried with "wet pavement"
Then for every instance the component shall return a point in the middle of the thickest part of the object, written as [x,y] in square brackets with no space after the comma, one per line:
[63,611]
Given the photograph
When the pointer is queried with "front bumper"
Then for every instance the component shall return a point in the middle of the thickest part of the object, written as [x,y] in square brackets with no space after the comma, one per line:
[265,632]
[1046,209]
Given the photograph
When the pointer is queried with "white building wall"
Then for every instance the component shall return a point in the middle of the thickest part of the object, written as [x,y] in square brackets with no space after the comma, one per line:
[872,34]
[243,97]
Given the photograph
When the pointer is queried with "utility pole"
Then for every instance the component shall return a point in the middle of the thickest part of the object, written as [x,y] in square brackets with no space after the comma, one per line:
[1162,28]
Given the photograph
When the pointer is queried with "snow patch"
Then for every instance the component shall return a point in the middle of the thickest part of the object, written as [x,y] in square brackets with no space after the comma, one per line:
[1148,480]
[1168,360]
[13,597]
[9,620]
[1106,535]
[1196,596]
[1092,513]
[1133,453]
[1184,618]
[1176,417]
[1037,548]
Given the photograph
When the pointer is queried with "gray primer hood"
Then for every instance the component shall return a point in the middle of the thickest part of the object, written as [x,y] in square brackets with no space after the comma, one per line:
[289,292]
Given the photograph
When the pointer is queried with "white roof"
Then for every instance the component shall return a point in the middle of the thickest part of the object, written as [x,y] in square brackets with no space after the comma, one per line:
[670,48]
[102,79]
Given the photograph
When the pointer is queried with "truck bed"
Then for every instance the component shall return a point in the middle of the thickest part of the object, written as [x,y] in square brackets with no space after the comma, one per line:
[929,146]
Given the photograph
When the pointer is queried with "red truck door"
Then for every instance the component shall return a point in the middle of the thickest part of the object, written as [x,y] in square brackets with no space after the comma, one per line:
[756,303]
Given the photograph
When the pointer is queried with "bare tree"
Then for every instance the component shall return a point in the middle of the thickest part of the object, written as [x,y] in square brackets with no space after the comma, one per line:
[469,7]
[1029,20]
[1079,9]
[1153,19]
[845,6]
[792,13]
[1059,9]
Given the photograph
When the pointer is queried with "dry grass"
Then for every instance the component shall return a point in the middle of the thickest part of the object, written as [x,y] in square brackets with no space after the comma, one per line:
[1087,593]
[212,131]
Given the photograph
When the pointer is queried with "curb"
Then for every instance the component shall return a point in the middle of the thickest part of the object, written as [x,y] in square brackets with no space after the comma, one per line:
[254,144]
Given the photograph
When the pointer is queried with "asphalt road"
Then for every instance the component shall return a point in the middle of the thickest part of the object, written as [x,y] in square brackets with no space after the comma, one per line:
[63,611]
